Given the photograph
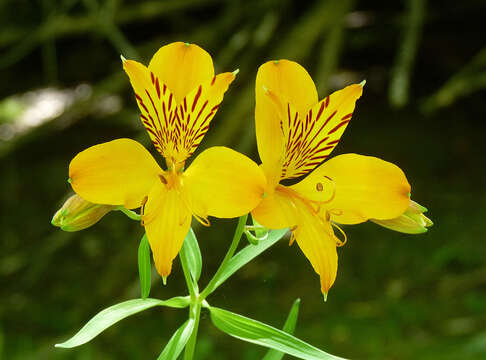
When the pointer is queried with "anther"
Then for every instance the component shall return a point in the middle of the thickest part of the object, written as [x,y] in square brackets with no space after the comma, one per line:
[319,186]
[292,238]
[204,221]
[340,242]
[142,210]
[163,179]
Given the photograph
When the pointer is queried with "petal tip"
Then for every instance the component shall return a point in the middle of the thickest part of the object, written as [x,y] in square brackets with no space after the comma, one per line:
[324,295]
[164,280]
[363,83]
[236,72]
[122,59]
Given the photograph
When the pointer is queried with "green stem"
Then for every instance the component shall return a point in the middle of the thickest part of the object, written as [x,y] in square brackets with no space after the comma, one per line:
[240,228]
[194,313]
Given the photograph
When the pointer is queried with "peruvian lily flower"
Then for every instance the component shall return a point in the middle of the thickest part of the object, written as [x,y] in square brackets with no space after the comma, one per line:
[295,134]
[178,95]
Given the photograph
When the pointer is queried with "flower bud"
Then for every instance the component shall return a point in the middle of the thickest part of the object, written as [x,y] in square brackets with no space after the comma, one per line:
[78,214]
[412,221]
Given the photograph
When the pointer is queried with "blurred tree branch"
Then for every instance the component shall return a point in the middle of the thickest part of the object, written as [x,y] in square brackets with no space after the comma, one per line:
[63,25]
[402,70]
[469,79]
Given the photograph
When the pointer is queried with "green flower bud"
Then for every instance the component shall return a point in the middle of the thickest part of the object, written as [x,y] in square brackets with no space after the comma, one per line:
[412,221]
[78,214]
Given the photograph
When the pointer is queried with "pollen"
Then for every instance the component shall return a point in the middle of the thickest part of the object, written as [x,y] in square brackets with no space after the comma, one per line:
[319,186]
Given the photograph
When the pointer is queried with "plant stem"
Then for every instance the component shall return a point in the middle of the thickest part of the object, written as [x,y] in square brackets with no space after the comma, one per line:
[240,228]
[195,308]
[194,313]
[191,285]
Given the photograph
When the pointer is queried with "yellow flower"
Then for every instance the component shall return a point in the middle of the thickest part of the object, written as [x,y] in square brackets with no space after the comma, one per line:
[78,214]
[296,133]
[178,95]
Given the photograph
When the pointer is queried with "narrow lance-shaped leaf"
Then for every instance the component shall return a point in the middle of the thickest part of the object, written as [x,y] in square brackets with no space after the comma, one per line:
[144,267]
[248,253]
[177,342]
[289,327]
[261,334]
[115,313]
[190,250]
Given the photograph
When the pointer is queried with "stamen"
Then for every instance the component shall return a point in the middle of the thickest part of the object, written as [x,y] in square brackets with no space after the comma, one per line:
[148,218]
[292,235]
[335,212]
[328,216]
[320,188]
[333,189]
[142,211]
[340,242]
[204,221]
[163,179]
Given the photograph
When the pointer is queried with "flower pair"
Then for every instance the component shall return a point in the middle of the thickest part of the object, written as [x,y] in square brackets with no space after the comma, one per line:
[178,95]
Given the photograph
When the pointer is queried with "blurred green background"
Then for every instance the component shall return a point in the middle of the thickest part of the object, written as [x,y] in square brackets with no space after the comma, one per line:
[397,296]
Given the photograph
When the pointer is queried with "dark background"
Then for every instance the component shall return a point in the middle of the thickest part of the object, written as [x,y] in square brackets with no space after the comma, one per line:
[397,296]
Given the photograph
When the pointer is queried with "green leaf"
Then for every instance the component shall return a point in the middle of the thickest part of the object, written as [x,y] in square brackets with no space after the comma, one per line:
[115,313]
[259,333]
[177,342]
[289,327]
[248,253]
[144,267]
[191,252]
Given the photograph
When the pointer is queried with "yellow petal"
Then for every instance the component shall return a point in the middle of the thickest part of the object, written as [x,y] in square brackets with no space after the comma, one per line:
[176,126]
[223,183]
[277,210]
[311,138]
[167,221]
[194,114]
[364,187]
[288,80]
[119,172]
[155,101]
[182,67]
[316,239]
